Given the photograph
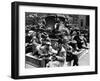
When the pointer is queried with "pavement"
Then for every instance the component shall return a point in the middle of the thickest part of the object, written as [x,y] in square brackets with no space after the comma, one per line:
[84,60]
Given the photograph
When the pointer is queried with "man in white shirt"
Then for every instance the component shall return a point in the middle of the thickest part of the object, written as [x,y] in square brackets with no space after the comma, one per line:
[53,62]
[61,56]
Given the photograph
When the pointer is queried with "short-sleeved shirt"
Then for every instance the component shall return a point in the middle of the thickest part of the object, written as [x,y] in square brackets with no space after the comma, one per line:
[53,64]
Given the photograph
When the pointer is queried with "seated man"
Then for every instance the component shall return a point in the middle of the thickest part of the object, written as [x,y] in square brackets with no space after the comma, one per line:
[78,40]
[71,55]
[53,62]
[84,41]
[28,41]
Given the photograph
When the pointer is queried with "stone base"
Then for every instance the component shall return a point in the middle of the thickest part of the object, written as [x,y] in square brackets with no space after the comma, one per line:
[33,60]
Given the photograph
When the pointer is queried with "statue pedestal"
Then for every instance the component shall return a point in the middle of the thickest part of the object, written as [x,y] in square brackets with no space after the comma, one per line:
[33,60]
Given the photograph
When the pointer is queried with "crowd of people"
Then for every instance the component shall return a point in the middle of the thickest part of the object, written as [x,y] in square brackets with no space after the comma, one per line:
[58,46]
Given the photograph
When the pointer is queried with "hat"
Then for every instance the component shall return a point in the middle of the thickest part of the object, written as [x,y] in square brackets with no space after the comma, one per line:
[48,43]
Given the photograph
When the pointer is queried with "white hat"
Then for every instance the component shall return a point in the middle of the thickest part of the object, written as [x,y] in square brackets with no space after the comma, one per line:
[48,43]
